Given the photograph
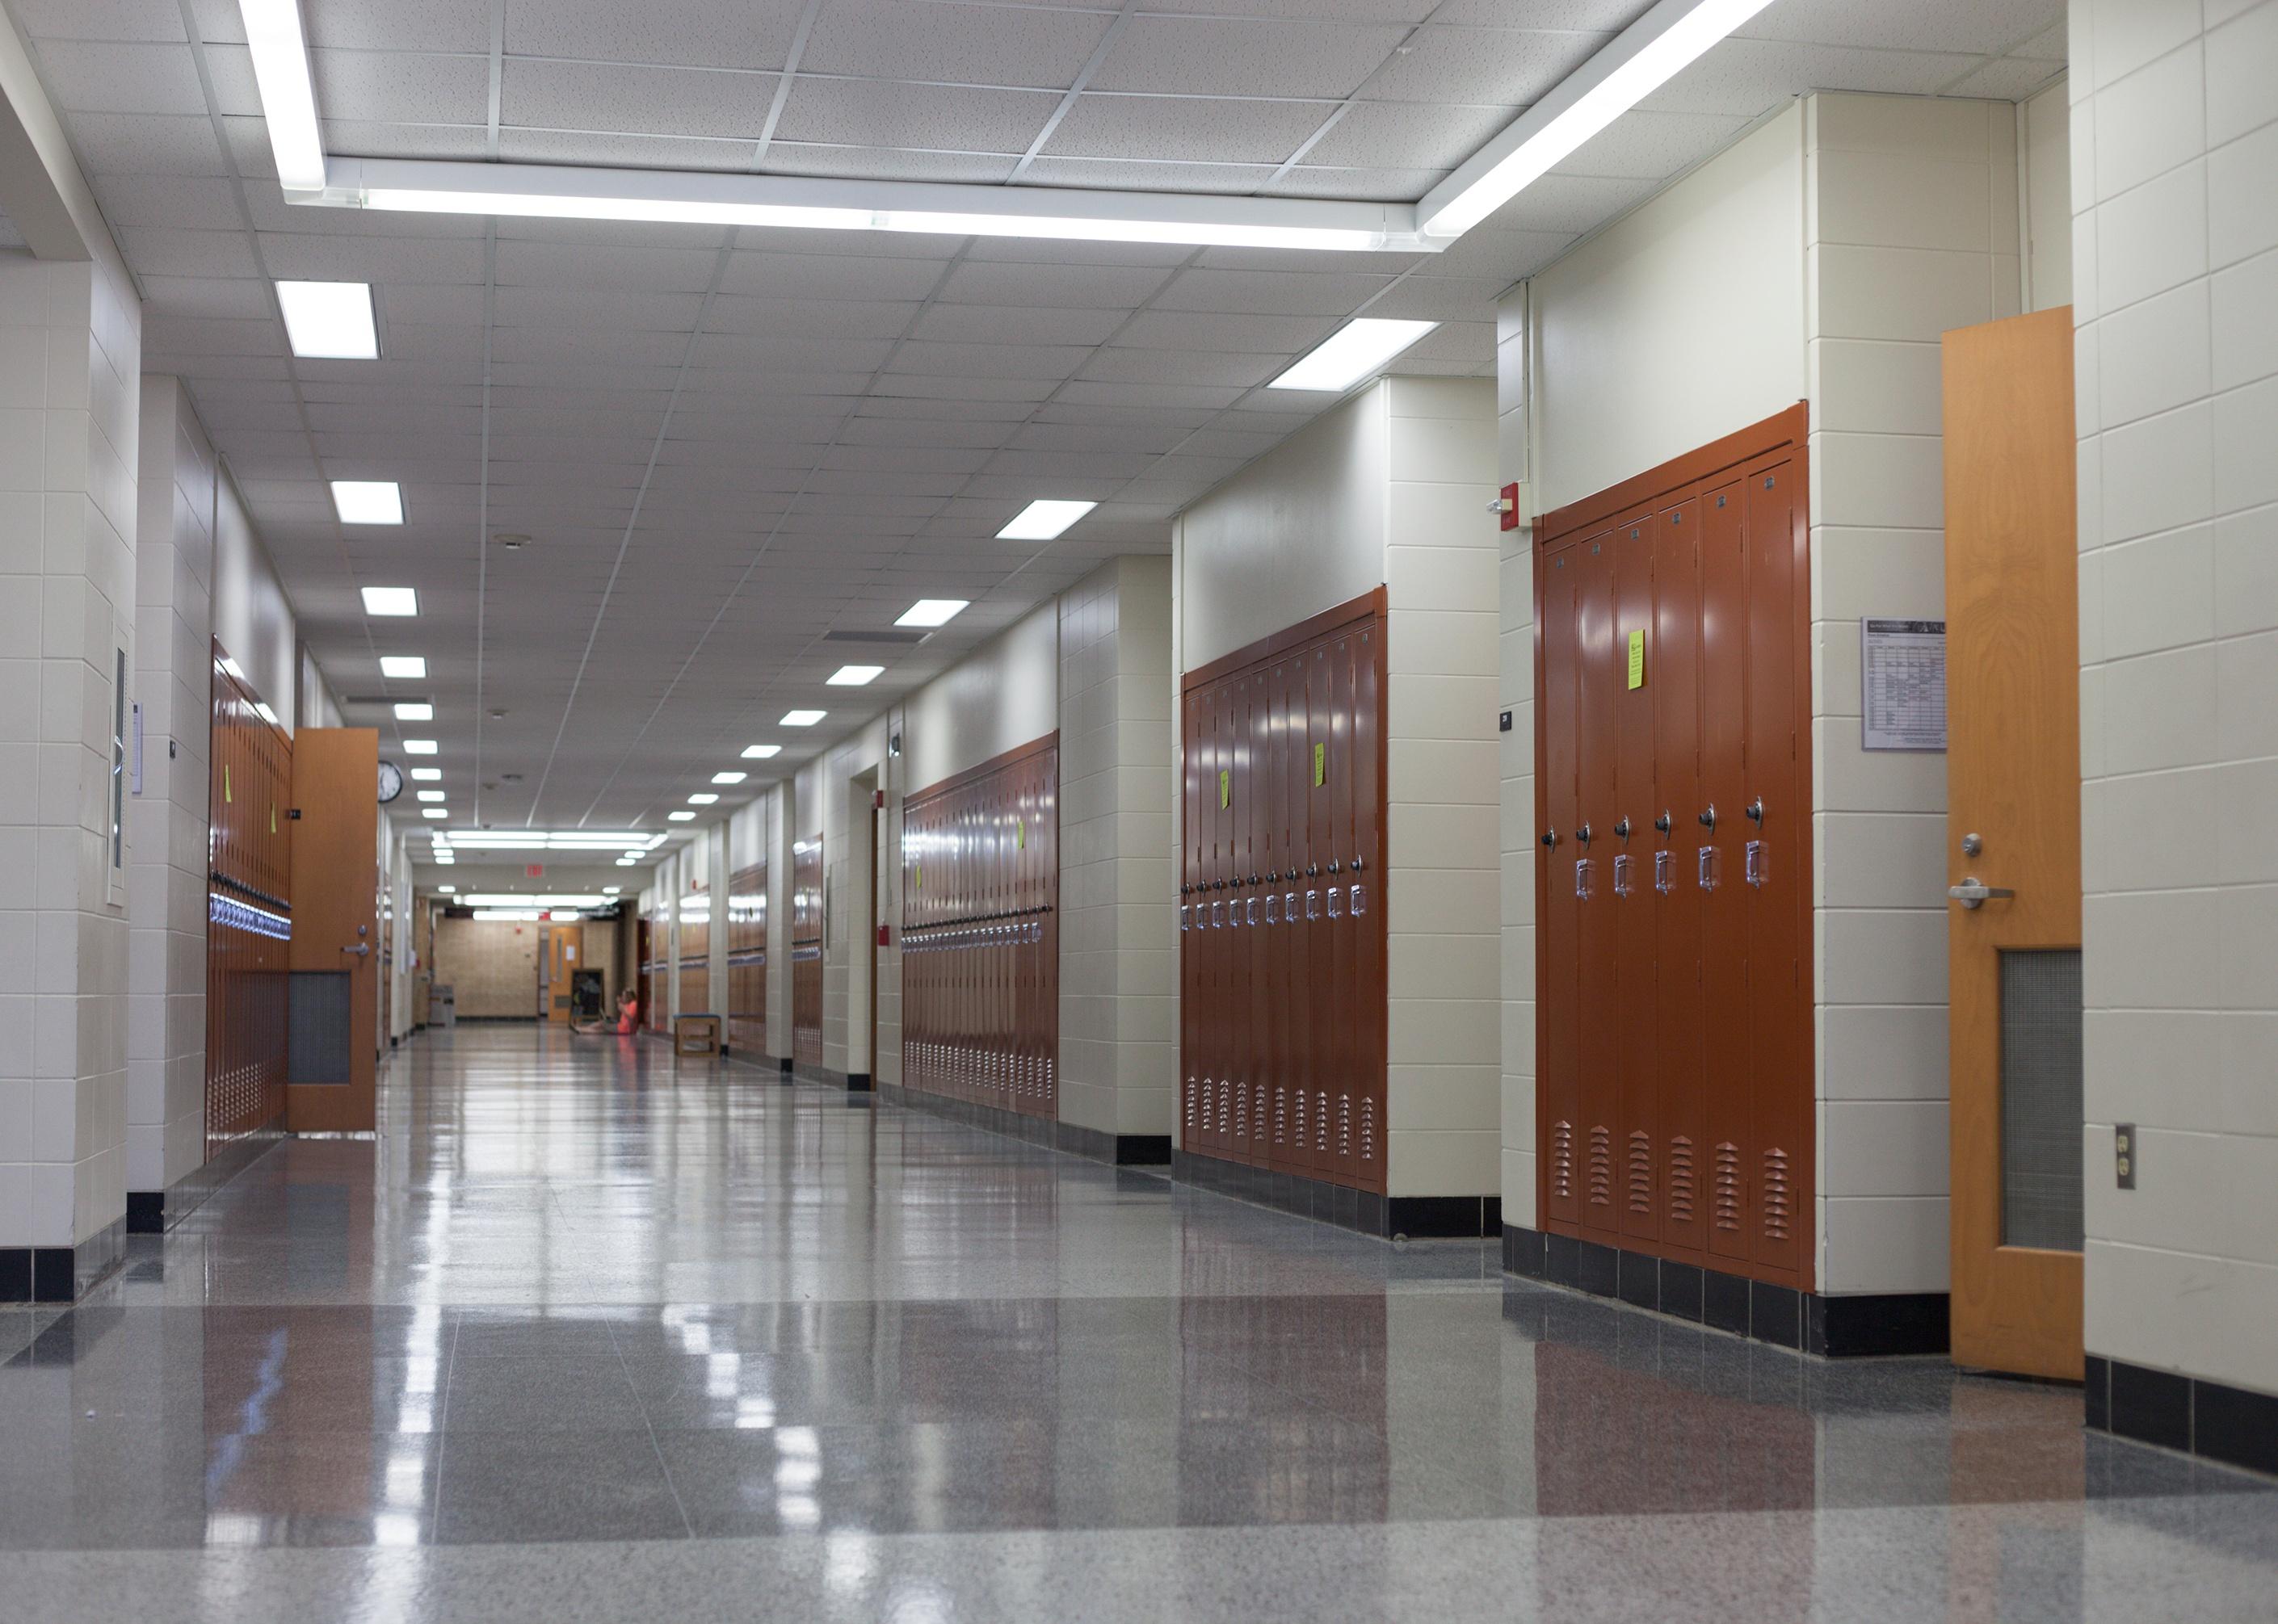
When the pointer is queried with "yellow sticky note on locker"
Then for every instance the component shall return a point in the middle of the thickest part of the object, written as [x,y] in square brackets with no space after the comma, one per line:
[227,799]
[918,883]
[272,817]
[1020,834]
[1637,658]
[1320,764]
[1225,788]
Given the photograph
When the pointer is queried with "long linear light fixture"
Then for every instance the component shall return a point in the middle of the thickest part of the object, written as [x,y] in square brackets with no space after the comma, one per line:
[423,186]
[1638,61]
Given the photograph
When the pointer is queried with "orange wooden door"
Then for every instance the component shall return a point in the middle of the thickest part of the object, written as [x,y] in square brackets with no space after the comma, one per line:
[336,956]
[2013,767]
[564,956]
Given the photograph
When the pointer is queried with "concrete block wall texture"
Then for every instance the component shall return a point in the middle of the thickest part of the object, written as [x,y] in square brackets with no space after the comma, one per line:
[1515,772]
[491,966]
[167,819]
[1913,225]
[70,410]
[2174,139]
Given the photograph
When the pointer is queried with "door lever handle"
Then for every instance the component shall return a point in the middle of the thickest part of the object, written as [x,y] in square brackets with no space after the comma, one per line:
[1975,893]
[362,949]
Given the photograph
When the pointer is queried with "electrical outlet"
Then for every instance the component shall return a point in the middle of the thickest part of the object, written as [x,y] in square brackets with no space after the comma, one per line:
[2123,1153]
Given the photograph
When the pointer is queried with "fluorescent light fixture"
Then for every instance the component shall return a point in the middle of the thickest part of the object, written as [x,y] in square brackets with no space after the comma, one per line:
[1043,521]
[390,600]
[519,916]
[415,710]
[368,501]
[524,899]
[627,862]
[855,677]
[418,747]
[329,321]
[1631,66]
[611,890]
[682,817]
[933,611]
[803,718]
[428,774]
[434,811]
[558,840]
[702,798]
[288,98]
[729,778]
[445,857]
[1352,353]
[817,203]
[449,890]
[761,753]
[408,667]
[432,794]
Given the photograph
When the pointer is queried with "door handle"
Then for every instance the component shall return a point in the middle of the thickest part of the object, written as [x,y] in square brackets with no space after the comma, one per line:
[361,949]
[1975,893]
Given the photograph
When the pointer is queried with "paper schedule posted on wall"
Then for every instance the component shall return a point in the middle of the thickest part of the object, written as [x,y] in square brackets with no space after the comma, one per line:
[1902,685]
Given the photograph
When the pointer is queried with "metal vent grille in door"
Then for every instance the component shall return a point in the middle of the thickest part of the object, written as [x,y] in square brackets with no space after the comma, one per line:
[319,1033]
[2041,1098]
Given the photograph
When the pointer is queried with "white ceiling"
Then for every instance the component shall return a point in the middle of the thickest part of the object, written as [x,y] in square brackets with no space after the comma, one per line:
[726,443]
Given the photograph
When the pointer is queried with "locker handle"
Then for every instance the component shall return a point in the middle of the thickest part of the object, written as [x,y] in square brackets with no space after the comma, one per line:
[1253,879]
[1756,810]
[1708,817]
[1623,828]
[1274,878]
[1313,869]
[1333,865]
[1357,866]
[1662,822]
[1582,834]
[1550,837]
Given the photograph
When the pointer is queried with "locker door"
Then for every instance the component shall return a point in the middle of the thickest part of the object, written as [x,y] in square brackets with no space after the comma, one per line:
[1214,940]
[1305,1004]
[1673,677]
[1257,825]
[1628,895]
[1559,1109]
[1351,1014]
[1772,818]
[1597,994]
[1273,941]
[1364,900]
[1190,839]
[1713,837]
[1328,1055]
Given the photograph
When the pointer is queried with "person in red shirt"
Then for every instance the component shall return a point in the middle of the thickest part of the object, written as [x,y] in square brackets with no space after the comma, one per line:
[628,1021]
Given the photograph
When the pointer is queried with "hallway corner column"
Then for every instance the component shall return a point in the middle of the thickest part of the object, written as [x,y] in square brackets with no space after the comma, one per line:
[782,801]
[70,404]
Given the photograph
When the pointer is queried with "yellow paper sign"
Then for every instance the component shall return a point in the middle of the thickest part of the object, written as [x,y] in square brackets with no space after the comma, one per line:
[1637,658]
[226,796]
[272,817]
[1320,764]
[1225,788]
[1020,834]
[917,882]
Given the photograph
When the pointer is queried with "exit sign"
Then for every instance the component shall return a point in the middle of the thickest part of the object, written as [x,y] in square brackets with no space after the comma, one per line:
[533,870]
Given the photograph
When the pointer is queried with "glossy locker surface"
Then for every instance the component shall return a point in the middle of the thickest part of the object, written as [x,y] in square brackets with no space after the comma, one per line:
[587,1335]
[747,959]
[1282,1011]
[248,912]
[980,934]
[696,950]
[657,938]
[806,929]
[1674,1047]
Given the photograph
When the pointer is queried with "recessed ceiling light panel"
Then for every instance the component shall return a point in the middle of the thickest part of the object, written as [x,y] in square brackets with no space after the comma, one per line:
[1043,520]
[1352,353]
[418,747]
[390,600]
[855,677]
[368,501]
[802,718]
[329,321]
[415,710]
[729,778]
[702,797]
[428,774]
[933,611]
[761,753]
[408,667]
[681,817]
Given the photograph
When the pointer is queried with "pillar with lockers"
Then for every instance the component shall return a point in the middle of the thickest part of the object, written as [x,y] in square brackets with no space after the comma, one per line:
[696,948]
[248,911]
[1282,990]
[656,966]
[747,959]
[980,934]
[806,922]
[1674,1103]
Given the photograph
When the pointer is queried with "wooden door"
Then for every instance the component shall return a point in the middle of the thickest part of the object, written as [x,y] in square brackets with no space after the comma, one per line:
[564,955]
[2013,771]
[335,953]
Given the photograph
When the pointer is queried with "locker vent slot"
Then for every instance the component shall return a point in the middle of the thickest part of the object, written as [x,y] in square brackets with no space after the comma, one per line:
[1301,1119]
[1322,1122]
[1601,1167]
[1281,1115]
[1344,1127]
[1680,1179]
[1562,1160]
[1224,1112]
[1241,1113]
[1780,1206]
[1368,1130]
[1727,1200]
[1206,1105]
[1641,1170]
[1257,1116]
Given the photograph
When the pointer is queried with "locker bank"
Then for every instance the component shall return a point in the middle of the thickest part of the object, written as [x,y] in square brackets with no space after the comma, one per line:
[965,811]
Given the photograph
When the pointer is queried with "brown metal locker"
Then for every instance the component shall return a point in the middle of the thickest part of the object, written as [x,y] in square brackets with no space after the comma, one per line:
[1320,839]
[1345,1095]
[1673,679]
[1557,911]
[1628,898]
[1306,1003]
[1597,995]
[1187,1128]
[1365,903]
[1716,836]
[1776,904]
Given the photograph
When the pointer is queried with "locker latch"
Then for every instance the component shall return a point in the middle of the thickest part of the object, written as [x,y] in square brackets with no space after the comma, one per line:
[1758,863]
[1707,868]
[1624,864]
[1586,877]
[1550,838]
[1664,872]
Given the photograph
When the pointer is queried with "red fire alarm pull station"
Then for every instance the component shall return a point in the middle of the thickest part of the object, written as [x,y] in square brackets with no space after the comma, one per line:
[1509,507]
[885,936]
[533,870]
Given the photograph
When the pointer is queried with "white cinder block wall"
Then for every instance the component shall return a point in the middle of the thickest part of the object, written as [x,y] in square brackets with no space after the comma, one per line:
[70,404]
[1515,771]
[2174,142]
[1911,226]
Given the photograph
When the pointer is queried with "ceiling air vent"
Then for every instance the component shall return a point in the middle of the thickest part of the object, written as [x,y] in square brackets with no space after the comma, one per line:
[905,639]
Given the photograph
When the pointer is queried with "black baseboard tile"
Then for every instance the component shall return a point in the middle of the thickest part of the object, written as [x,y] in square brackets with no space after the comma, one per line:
[15,1274]
[62,1273]
[2213,1420]
[858,1082]
[1780,1315]
[1142,1150]
[146,1212]
[1417,1217]
[154,1212]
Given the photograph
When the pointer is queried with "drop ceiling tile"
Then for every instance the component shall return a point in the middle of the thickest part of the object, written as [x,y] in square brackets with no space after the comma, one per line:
[1441,299]
[372,259]
[398,86]
[1651,144]
[738,351]
[936,117]
[427,303]
[989,360]
[590,306]
[828,276]
[187,202]
[752,34]
[603,150]
[102,76]
[242,298]
[149,20]
[1170,366]
[155,251]
[364,139]
[141,144]
[1742,78]
[1486,253]
[1407,135]
[812,318]
[616,96]
[1221,56]
[1076,286]
[1126,175]
[787,157]
[546,264]
[400,25]
[1498,67]
[974,324]
[1052,251]
[1205,332]
[970,44]
[1368,185]
[1083,392]
[1263,292]
[1194,130]
[1982,26]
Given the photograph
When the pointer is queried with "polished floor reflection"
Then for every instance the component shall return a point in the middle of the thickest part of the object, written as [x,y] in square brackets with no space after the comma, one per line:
[587,1334]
